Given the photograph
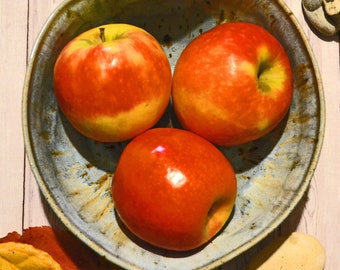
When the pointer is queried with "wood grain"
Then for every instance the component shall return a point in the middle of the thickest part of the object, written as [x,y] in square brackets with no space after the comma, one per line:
[13,54]
[21,204]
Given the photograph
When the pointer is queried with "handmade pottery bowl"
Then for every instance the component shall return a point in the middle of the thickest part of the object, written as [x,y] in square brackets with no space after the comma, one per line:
[74,172]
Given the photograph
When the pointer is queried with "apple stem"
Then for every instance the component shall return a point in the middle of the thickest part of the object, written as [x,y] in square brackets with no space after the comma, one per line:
[102,34]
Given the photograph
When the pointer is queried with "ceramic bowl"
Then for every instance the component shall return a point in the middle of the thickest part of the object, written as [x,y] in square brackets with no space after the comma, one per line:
[74,173]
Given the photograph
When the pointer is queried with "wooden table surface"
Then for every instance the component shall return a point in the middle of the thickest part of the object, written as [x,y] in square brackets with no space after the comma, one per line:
[21,204]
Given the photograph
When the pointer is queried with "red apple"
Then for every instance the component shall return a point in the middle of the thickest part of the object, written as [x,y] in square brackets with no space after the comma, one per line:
[113,82]
[232,84]
[173,189]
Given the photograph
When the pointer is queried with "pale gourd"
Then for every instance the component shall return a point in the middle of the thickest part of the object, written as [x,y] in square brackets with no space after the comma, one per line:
[299,251]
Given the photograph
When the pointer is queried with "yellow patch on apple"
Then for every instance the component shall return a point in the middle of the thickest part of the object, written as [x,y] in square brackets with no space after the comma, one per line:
[270,73]
[274,77]
[111,128]
[263,124]
[217,216]
[97,36]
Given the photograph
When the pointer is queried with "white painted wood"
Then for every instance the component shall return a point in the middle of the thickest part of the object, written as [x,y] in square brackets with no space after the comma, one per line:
[36,210]
[13,21]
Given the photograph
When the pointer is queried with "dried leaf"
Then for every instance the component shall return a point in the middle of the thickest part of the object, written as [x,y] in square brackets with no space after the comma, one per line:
[24,256]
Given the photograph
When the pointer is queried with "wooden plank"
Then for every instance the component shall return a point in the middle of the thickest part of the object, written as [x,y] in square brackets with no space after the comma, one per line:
[13,22]
[321,212]
[36,211]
